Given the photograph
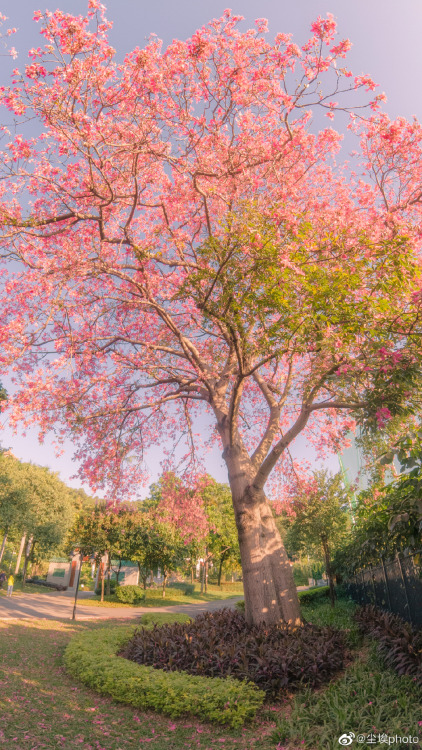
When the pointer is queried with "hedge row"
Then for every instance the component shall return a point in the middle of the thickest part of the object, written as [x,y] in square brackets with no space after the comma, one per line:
[47,584]
[93,660]
[309,596]
[133,594]
[130,594]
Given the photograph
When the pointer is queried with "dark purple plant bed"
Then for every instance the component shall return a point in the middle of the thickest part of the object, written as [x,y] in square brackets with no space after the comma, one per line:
[222,644]
[399,643]
[47,584]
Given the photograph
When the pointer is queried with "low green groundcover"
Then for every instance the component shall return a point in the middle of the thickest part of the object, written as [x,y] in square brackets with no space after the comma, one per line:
[92,659]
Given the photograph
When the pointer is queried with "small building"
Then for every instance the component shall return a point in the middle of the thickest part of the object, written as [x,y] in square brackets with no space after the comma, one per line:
[128,574]
[63,571]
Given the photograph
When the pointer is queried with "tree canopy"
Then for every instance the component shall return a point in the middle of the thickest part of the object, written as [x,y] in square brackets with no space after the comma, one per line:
[184,243]
[320,519]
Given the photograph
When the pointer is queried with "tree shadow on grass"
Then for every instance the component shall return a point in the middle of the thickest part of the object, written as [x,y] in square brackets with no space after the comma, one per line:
[42,707]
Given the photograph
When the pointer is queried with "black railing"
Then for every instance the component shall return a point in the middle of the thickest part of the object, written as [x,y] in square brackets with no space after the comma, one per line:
[393,585]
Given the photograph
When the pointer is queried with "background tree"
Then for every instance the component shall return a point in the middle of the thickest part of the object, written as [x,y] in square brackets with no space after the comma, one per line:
[50,515]
[13,502]
[34,504]
[202,511]
[90,535]
[221,543]
[164,549]
[136,547]
[185,240]
[182,505]
[320,520]
[388,516]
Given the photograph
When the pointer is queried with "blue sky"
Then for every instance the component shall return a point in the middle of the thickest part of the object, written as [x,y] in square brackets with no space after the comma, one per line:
[386,45]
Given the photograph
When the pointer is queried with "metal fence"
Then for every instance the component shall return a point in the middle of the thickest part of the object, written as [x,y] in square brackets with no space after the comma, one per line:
[395,586]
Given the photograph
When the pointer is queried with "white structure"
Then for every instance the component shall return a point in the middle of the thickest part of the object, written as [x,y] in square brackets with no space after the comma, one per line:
[128,576]
[64,572]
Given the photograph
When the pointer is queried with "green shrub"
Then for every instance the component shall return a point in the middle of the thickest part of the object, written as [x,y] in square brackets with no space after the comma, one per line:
[301,574]
[187,589]
[162,618]
[235,586]
[95,663]
[113,586]
[178,585]
[310,596]
[314,595]
[305,597]
[130,594]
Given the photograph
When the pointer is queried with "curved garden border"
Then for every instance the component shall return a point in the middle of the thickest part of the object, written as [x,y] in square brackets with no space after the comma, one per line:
[91,657]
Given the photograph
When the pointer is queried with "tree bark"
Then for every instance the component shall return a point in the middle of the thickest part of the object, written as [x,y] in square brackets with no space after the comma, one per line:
[19,557]
[164,583]
[108,573]
[206,570]
[29,548]
[270,591]
[102,579]
[202,575]
[328,571]
[118,572]
[220,567]
[3,546]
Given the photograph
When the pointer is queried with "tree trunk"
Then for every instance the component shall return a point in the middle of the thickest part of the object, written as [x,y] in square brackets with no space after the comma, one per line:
[3,545]
[206,570]
[164,583]
[143,574]
[19,557]
[202,574]
[328,571]
[118,572]
[270,591]
[191,573]
[29,548]
[102,579]
[220,567]
[108,573]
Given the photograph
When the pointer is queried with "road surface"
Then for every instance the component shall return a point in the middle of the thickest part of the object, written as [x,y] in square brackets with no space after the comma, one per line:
[59,606]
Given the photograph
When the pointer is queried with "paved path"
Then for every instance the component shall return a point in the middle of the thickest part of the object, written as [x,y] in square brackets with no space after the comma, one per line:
[60,607]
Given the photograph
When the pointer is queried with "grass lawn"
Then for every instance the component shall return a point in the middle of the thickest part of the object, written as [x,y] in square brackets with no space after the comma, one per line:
[366,699]
[30,588]
[154,597]
[42,708]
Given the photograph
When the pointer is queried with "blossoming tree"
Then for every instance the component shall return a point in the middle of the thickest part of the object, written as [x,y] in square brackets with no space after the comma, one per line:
[177,241]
